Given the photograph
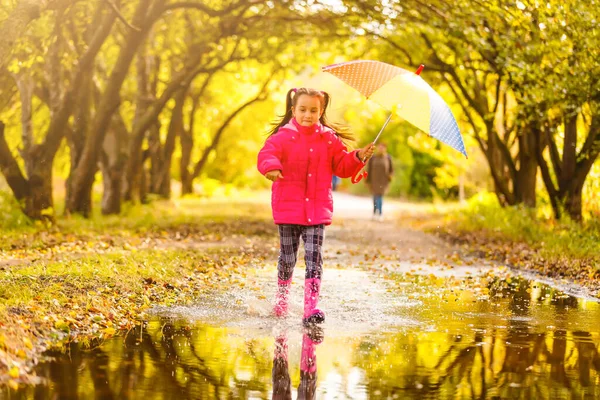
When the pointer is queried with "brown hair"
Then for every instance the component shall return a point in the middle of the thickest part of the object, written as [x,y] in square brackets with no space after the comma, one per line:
[292,98]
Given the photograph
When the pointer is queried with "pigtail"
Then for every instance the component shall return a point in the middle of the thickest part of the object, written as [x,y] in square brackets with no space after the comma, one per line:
[341,130]
[288,112]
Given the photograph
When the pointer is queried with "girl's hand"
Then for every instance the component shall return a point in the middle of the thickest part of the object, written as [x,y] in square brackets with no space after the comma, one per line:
[366,152]
[274,175]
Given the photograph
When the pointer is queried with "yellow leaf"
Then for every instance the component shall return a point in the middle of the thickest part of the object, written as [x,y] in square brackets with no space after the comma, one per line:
[28,343]
[14,372]
[62,325]
[110,331]
[13,385]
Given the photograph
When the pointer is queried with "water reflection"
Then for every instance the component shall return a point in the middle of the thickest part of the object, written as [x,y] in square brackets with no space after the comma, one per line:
[282,384]
[523,340]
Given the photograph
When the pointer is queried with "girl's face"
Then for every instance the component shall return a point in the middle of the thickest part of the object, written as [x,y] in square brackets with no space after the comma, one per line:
[307,110]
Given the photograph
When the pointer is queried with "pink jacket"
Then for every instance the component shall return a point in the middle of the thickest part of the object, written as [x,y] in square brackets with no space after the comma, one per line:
[307,157]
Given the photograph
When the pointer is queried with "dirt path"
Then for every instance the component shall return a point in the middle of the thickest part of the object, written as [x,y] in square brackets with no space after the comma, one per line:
[360,255]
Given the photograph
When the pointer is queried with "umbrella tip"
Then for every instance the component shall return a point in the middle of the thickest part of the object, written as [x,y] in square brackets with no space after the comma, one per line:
[420,69]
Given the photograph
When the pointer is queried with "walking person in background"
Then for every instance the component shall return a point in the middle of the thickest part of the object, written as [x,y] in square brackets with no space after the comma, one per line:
[380,171]
[300,156]
[335,181]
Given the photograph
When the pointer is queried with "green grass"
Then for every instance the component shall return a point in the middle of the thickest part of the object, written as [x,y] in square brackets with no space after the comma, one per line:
[553,239]
[72,252]
[44,282]
[190,215]
[11,217]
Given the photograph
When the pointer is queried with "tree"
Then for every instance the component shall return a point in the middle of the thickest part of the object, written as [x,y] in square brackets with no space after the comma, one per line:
[506,65]
[82,180]
[189,176]
[34,188]
[570,124]
[469,59]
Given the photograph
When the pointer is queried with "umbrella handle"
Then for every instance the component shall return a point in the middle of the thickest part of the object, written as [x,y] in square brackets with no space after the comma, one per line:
[358,175]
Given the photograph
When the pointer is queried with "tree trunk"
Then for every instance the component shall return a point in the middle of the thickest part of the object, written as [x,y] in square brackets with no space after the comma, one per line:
[144,96]
[26,85]
[155,154]
[112,162]
[572,171]
[11,170]
[498,168]
[35,191]
[187,186]
[81,203]
[570,181]
[76,138]
[144,179]
[186,140]
[187,143]
[569,159]
[551,189]
[76,141]
[111,197]
[525,182]
[84,178]
[163,185]
[573,198]
[39,204]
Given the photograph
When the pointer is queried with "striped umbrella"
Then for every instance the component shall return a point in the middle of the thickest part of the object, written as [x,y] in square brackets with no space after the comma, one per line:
[404,93]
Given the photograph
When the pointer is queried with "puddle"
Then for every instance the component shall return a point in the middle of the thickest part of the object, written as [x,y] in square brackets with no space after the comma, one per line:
[396,337]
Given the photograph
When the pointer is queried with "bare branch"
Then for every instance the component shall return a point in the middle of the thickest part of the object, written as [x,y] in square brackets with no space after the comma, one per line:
[55,130]
[261,95]
[121,16]
[210,11]
[434,10]
[591,148]
[394,45]
[497,101]
[592,141]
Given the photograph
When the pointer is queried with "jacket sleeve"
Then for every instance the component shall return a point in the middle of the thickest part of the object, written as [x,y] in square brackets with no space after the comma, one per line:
[345,163]
[269,157]
[369,168]
[391,163]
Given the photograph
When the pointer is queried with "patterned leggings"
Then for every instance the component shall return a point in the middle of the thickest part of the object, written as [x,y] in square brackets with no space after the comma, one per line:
[289,239]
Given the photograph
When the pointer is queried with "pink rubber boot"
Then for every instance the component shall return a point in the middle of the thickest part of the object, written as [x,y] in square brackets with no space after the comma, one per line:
[282,298]
[312,315]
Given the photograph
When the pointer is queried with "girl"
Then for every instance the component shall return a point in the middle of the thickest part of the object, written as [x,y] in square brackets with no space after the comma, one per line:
[300,156]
